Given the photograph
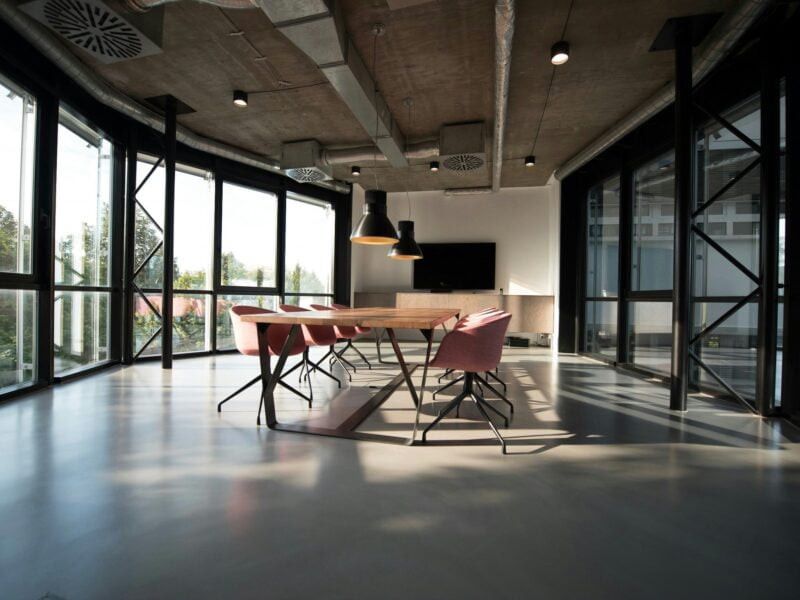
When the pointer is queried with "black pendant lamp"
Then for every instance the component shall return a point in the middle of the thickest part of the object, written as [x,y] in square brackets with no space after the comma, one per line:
[374,228]
[406,248]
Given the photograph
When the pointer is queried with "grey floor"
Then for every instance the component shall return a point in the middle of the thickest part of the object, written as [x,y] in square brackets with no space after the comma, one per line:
[129,484]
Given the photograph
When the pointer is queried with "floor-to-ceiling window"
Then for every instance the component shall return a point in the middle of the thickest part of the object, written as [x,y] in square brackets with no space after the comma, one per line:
[193,258]
[18,297]
[602,260]
[728,215]
[308,260]
[248,261]
[652,234]
[82,248]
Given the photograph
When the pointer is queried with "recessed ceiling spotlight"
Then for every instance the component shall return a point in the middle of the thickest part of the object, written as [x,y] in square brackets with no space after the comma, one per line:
[559,53]
[434,166]
[530,161]
[355,171]
[240,98]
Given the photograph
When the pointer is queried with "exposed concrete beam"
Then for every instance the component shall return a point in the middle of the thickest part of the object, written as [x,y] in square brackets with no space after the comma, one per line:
[316,27]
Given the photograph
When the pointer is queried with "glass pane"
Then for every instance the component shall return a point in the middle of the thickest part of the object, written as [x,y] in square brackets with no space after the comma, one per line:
[149,220]
[601,328]
[146,323]
[651,335]
[602,248]
[224,303]
[779,358]
[83,205]
[309,246]
[249,237]
[730,350]
[80,329]
[17,141]
[653,224]
[189,323]
[17,337]
[307,301]
[194,230]
[722,158]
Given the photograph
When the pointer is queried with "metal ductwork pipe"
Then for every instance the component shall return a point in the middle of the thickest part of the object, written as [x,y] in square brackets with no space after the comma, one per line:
[61,56]
[145,5]
[366,154]
[504,36]
[468,191]
[720,41]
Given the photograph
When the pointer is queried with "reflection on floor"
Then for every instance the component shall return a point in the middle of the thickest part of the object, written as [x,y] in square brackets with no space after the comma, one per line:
[129,484]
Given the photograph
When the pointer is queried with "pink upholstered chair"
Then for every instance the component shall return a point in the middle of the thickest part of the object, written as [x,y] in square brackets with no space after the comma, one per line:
[349,345]
[343,333]
[486,312]
[474,346]
[246,337]
[314,335]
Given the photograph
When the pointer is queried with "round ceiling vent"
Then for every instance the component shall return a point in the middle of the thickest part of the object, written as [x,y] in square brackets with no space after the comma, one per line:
[306,174]
[462,162]
[94,28]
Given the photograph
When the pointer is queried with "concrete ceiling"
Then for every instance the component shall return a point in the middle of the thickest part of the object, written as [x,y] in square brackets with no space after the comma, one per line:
[440,53]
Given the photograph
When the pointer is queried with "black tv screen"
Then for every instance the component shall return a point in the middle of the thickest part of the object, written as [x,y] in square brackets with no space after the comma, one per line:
[455,267]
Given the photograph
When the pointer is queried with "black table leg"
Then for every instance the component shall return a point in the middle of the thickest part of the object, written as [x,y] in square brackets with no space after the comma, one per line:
[407,375]
[269,378]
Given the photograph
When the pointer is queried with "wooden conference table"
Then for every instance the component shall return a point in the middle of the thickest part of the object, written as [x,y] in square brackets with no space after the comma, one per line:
[424,319]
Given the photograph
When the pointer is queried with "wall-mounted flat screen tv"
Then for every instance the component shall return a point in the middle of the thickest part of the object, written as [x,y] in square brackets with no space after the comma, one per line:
[455,267]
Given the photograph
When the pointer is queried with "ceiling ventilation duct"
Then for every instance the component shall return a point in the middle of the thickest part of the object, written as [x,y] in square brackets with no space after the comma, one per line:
[462,147]
[301,161]
[97,29]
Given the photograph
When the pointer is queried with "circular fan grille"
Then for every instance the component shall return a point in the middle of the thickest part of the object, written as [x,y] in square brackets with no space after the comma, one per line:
[93,28]
[307,174]
[463,162]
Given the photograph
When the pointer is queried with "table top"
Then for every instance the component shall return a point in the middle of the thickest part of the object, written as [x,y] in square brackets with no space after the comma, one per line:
[390,318]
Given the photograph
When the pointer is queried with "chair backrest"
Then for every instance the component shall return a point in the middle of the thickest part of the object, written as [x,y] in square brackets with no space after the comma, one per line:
[345,307]
[342,331]
[319,335]
[245,334]
[476,346]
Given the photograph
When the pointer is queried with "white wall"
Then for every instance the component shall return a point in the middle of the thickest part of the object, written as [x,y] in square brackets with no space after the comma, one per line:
[523,222]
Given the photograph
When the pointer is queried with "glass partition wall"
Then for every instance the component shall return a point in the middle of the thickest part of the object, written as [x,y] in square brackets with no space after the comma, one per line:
[18,294]
[629,241]
[240,236]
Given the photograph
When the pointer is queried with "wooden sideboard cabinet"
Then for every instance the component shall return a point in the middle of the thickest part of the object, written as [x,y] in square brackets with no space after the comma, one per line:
[531,314]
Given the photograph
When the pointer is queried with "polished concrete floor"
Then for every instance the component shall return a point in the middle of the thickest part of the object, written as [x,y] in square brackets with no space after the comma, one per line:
[129,484]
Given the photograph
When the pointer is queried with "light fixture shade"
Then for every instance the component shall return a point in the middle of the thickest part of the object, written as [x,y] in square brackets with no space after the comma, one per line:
[530,161]
[240,98]
[406,248]
[355,170]
[374,228]
[559,53]
[434,166]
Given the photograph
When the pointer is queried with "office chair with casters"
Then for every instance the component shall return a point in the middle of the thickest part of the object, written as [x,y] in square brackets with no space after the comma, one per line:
[314,335]
[473,346]
[246,337]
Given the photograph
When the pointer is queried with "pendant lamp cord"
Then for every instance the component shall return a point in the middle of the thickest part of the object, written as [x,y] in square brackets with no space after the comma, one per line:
[550,85]
[375,104]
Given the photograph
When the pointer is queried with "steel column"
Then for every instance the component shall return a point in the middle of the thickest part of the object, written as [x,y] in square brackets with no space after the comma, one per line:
[624,268]
[681,287]
[169,229]
[129,252]
[770,198]
[790,392]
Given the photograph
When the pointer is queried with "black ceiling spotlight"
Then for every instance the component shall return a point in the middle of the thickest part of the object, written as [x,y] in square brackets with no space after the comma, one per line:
[374,228]
[530,161]
[559,53]
[240,98]
[406,248]
[355,171]
[434,166]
